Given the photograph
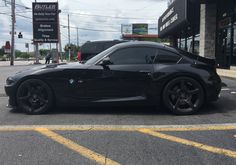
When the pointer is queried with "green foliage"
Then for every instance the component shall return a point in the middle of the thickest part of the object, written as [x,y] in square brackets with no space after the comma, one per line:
[25,55]
[73,51]
[73,48]
[43,52]
[155,39]
[19,54]
[2,51]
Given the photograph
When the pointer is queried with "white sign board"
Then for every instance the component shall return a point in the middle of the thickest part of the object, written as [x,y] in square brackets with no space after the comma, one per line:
[126,28]
[8,51]
[153,29]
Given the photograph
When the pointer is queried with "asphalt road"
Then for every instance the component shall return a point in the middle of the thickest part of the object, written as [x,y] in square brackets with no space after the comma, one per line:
[125,135]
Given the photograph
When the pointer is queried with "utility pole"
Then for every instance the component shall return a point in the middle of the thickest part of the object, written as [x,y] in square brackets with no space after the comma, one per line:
[5,2]
[77,36]
[60,47]
[13,32]
[59,33]
[69,35]
[36,52]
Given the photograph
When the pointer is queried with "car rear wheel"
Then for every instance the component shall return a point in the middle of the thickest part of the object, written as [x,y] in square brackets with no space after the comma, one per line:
[34,97]
[183,96]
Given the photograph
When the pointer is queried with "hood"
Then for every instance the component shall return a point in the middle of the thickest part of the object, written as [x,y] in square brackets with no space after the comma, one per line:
[49,68]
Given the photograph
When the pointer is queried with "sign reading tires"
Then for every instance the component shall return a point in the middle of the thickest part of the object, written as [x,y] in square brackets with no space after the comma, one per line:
[45,22]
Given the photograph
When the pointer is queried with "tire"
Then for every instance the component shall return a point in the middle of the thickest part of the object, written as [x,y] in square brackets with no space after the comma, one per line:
[183,96]
[34,97]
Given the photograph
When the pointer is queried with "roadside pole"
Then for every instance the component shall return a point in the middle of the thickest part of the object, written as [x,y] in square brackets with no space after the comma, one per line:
[59,36]
[36,50]
[37,53]
[69,35]
[77,32]
[13,32]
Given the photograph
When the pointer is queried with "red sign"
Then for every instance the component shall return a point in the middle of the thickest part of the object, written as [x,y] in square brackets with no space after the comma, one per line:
[7,45]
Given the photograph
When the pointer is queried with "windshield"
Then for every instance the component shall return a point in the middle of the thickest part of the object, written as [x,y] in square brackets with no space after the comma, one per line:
[96,58]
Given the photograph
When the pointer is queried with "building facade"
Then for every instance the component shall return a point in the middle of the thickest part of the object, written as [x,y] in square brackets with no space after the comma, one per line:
[205,27]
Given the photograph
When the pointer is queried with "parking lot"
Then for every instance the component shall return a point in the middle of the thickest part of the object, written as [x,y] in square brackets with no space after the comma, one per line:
[83,144]
[119,135]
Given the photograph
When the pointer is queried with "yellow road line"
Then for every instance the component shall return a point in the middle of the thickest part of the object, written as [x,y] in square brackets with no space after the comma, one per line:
[190,143]
[100,159]
[197,127]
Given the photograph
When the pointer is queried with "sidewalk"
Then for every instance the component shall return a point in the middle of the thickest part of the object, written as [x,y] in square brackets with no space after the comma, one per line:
[19,63]
[227,73]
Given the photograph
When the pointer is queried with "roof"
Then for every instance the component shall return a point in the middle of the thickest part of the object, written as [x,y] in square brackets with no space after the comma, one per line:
[145,43]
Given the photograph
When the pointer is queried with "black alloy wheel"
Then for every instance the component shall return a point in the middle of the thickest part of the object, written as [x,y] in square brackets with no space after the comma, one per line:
[183,96]
[34,96]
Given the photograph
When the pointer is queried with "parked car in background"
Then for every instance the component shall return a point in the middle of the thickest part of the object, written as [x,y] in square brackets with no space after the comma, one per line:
[92,48]
[128,73]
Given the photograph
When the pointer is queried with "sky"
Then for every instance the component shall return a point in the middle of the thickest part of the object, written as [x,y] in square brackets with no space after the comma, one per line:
[95,19]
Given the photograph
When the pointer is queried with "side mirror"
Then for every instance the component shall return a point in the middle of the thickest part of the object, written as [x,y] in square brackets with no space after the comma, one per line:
[106,61]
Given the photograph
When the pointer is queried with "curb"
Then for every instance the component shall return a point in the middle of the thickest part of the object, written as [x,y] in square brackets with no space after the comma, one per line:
[231,74]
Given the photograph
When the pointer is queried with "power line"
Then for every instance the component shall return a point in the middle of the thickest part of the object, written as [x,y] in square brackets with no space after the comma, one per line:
[91,29]
[24,16]
[115,17]
[6,14]
[88,29]
[8,2]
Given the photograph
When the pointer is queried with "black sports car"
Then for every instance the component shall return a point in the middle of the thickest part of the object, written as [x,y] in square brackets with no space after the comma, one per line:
[127,73]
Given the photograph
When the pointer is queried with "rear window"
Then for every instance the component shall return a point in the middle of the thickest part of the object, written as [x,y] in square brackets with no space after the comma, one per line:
[166,57]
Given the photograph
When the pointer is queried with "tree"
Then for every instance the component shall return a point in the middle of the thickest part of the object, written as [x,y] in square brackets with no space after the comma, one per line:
[73,47]
[73,50]
[2,51]
[43,52]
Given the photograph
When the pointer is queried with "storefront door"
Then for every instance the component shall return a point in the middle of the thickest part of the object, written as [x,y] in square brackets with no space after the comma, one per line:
[224,49]
[226,34]
[233,57]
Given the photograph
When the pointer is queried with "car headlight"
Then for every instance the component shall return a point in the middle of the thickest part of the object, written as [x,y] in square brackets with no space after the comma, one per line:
[10,81]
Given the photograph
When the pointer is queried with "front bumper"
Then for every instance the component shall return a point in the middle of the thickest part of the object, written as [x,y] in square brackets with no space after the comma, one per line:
[11,92]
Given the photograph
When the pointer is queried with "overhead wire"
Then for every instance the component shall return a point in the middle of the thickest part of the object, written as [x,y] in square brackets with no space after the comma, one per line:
[17,4]
[105,16]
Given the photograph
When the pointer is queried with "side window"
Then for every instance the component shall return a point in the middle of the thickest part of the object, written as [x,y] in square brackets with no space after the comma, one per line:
[133,55]
[166,57]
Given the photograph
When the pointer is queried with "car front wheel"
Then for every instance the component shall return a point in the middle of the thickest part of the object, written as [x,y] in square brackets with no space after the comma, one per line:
[183,96]
[34,96]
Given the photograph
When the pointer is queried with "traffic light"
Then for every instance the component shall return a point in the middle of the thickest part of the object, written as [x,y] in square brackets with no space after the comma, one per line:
[20,35]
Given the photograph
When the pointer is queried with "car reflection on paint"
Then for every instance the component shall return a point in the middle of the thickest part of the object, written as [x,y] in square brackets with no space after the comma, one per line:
[128,73]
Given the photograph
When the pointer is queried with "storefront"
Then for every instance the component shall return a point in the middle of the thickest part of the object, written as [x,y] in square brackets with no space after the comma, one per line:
[180,23]
[208,28]
[226,33]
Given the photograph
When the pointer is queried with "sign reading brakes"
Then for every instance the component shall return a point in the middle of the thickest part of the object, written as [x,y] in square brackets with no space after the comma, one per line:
[45,22]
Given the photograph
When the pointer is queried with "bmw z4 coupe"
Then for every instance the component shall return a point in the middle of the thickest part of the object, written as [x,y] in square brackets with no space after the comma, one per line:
[133,73]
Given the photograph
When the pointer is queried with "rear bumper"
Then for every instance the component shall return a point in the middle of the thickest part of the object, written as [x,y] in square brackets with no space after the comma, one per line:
[213,89]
